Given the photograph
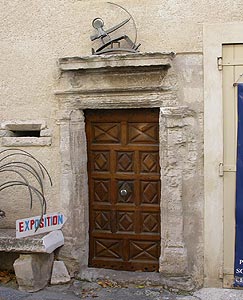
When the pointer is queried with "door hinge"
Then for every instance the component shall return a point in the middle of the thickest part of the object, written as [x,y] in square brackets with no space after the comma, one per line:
[220,63]
[229,168]
[221,169]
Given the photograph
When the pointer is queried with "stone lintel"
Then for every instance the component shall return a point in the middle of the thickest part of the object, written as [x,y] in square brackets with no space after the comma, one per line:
[120,90]
[23,125]
[95,62]
[114,101]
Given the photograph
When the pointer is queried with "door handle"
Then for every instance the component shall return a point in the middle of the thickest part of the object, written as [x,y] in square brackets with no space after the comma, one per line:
[123,192]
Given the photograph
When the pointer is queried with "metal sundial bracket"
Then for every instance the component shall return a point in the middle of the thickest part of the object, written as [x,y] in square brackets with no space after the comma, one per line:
[113,44]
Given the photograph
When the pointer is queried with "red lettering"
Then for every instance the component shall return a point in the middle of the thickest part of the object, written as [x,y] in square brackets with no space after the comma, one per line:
[32,222]
[42,223]
[21,226]
[54,220]
[48,219]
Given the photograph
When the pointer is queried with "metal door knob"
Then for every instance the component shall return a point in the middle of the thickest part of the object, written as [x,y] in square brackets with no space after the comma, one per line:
[123,192]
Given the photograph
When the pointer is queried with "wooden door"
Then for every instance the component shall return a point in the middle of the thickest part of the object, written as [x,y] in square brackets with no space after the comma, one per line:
[124,188]
[233,68]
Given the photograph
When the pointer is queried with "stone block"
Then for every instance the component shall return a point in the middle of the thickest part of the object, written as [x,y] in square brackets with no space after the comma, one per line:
[7,133]
[26,141]
[59,273]
[53,240]
[46,133]
[174,256]
[33,271]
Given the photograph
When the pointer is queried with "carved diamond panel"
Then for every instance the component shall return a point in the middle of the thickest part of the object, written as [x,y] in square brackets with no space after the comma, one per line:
[149,162]
[106,133]
[150,191]
[102,220]
[125,221]
[144,251]
[110,249]
[129,187]
[101,190]
[143,133]
[125,162]
[150,222]
[100,161]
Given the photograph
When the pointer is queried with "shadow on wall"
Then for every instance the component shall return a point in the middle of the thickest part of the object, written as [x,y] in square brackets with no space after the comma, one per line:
[19,168]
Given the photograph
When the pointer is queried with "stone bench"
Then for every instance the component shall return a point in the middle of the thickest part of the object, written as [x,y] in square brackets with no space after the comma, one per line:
[34,265]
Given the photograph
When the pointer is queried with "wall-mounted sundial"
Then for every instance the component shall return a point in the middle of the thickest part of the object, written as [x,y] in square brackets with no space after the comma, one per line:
[111,41]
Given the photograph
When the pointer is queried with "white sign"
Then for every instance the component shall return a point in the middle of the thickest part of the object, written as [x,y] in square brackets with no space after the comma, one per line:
[49,222]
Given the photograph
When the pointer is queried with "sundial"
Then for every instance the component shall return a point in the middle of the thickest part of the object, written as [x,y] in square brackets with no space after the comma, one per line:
[110,40]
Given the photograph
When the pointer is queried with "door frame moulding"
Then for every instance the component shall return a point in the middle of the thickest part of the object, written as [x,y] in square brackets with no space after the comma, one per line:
[151,88]
[214,36]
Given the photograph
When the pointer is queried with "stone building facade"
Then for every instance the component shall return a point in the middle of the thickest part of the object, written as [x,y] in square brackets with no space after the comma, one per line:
[49,79]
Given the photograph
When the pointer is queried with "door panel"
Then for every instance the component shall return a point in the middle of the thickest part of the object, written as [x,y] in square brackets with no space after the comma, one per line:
[124,188]
[232,56]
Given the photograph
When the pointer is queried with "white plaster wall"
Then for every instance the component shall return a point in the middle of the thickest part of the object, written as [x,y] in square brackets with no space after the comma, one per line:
[34,34]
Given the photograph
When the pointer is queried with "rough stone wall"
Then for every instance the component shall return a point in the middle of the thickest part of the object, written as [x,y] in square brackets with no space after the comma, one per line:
[189,68]
[182,168]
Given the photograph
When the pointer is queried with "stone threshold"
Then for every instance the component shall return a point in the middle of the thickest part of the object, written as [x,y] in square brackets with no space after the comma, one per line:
[182,283]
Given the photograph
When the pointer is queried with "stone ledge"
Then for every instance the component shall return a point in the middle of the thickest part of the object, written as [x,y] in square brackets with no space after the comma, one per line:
[45,243]
[121,90]
[115,61]
[26,141]
[24,125]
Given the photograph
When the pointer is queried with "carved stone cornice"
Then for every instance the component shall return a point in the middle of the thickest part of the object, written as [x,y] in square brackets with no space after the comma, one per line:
[109,74]
[95,63]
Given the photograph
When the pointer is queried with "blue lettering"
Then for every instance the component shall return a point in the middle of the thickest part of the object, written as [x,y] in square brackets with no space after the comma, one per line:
[27,225]
[60,219]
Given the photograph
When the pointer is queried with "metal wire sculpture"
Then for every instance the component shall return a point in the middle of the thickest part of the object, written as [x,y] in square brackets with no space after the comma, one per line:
[111,44]
[25,167]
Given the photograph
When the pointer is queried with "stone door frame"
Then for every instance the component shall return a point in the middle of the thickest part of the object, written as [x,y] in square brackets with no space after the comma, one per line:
[153,88]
